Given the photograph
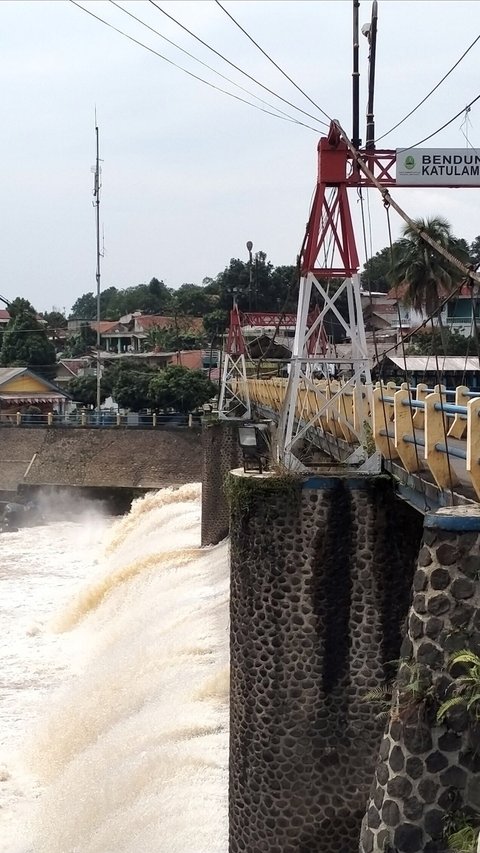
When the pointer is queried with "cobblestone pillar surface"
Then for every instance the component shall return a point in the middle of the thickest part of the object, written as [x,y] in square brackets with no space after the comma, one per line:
[221,454]
[429,773]
[320,579]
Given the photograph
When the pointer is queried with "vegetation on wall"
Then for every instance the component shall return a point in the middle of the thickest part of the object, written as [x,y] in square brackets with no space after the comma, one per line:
[465,687]
[246,493]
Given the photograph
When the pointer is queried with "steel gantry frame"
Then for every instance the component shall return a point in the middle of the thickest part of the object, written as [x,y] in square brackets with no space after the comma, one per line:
[329,256]
[234,398]
[329,270]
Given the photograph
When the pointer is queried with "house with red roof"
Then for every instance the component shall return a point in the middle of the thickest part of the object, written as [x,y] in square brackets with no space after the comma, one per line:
[4,317]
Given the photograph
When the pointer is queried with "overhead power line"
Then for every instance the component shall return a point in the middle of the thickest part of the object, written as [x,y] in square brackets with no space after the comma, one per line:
[191,74]
[460,112]
[272,60]
[430,92]
[232,64]
[196,59]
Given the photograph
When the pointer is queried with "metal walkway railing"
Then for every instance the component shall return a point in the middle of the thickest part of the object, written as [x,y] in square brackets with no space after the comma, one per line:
[431,433]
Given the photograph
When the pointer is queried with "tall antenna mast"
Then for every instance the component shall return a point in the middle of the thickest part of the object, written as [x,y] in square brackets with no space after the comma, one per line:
[96,194]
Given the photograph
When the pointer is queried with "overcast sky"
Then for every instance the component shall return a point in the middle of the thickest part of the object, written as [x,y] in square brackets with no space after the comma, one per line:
[189,174]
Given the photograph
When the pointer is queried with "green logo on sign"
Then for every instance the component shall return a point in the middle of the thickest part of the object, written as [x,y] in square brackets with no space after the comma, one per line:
[409,162]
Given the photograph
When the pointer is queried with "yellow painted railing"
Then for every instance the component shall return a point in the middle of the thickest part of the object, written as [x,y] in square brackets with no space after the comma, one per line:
[342,416]
[422,429]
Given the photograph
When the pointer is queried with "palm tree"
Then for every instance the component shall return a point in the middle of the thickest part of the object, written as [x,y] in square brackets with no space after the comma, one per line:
[425,276]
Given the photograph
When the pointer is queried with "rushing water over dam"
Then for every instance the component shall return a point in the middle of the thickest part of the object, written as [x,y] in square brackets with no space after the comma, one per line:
[113,701]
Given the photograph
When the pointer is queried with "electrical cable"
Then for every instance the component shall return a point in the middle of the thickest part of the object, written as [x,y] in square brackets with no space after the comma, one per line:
[232,64]
[273,61]
[467,107]
[190,73]
[387,132]
[196,59]
[404,353]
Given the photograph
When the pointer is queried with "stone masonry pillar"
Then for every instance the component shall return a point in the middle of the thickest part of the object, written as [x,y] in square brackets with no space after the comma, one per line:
[221,453]
[428,775]
[320,577]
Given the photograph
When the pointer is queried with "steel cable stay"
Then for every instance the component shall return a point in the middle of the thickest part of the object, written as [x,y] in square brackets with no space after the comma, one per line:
[294,280]
[427,319]
[404,354]
[375,343]
[475,304]
[444,416]
[367,196]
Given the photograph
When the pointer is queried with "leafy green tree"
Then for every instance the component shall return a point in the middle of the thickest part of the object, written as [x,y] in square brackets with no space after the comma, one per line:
[83,389]
[132,390]
[474,251]
[84,308]
[25,342]
[233,281]
[192,299]
[215,324]
[55,319]
[376,271]
[173,339]
[116,373]
[428,277]
[440,342]
[181,389]
[80,343]
[152,298]
[262,287]
[281,294]
[161,296]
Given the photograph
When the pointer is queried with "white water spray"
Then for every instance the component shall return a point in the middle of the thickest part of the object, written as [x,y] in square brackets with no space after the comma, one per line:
[131,754]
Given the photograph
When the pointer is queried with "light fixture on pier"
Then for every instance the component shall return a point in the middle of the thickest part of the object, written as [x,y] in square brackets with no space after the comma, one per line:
[254,446]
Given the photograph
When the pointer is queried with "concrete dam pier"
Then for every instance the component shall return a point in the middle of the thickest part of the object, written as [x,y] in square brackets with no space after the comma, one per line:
[320,584]
[343,623]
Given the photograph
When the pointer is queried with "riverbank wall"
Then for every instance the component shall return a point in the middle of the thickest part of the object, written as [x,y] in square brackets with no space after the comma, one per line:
[135,459]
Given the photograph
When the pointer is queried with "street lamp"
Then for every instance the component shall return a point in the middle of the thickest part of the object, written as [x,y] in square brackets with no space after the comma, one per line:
[249,249]
[254,446]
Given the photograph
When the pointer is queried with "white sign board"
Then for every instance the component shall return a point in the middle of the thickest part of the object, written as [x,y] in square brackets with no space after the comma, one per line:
[420,167]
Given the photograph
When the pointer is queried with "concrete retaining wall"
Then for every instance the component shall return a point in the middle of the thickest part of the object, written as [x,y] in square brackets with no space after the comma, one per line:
[99,457]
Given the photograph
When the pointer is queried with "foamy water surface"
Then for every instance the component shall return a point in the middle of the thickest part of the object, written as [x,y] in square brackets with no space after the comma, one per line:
[113,701]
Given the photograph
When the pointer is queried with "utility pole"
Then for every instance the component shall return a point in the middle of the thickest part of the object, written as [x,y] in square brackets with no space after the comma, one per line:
[96,194]
[250,273]
[371,33]
[356,141]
